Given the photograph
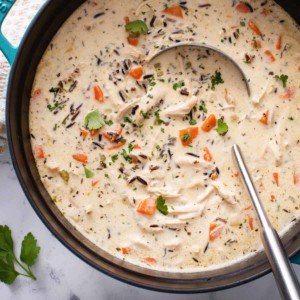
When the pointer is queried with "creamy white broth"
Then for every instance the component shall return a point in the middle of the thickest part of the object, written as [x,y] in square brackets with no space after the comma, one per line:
[210,220]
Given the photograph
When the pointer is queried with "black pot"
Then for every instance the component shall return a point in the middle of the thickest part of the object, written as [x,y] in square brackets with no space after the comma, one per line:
[38,36]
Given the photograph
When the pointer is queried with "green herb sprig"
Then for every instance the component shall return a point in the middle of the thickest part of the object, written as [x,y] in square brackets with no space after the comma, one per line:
[161,206]
[283,79]
[216,79]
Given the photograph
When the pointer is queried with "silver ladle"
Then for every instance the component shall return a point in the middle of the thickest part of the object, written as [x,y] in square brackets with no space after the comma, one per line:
[286,279]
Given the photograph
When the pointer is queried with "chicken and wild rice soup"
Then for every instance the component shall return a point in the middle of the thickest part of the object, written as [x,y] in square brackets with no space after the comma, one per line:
[136,154]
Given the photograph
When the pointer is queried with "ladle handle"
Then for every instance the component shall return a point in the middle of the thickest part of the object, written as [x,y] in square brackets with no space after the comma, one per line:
[286,279]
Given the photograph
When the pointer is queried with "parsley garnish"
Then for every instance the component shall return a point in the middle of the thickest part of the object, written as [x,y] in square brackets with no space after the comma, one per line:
[126,156]
[291,118]
[145,115]
[161,206]
[109,122]
[222,128]
[283,78]
[88,173]
[29,254]
[216,79]
[178,85]
[127,120]
[158,120]
[130,148]
[203,108]
[186,137]
[94,120]
[114,158]
[137,27]
[242,23]
[193,122]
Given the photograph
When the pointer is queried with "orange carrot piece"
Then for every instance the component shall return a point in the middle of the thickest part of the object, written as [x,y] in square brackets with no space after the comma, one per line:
[236,174]
[209,123]
[84,133]
[147,206]
[252,25]
[98,93]
[188,135]
[289,93]
[215,231]
[261,185]
[136,146]
[296,179]
[133,41]
[39,152]
[242,7]
[117,146]
[175,11]
[279,42]
[36,93]
[134,159]
[276,178]
[126,20]
[250,222]
[150,259]
[207,155]
[214,176]
[273,198]
[94,183]
[125,251]
[265,118]
[136,73]
[269,56]
[94,132]
[80,157]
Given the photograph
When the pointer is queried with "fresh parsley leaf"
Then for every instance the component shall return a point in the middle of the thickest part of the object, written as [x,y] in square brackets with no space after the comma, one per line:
[29,253]
[126,156]
[88,173]
[222,128]
[109,122]
[94,120]
[145,115]
[127,120]
[161,206]
[242,23]
[137,27]
[186,137]
[216,79]
[203,108]
[54,90]
[283,78]
[30,250]
[178,85]
[193,122]
[114,158]
[158,120]
[130,148]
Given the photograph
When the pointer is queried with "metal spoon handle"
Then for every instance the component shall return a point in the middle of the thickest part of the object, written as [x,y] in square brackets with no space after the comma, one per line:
[286,279]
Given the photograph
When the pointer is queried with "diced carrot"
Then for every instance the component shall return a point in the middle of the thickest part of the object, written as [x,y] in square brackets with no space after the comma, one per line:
[214,176]
[36,93]
[209,123]
[269,56]
[296,178]
[289,93]
[248,207]
[264,119]
[136,73]
[236,174]
[125,251]
[84,133]
[264,12]
[276,178]
[214,231]
[117,146]
[126,20]
[150,259]
[147,206]
[98,93]
[136,146]
[132,41]
[261,185]
[252,25]
[94,132]
[80,157]
[120,130]
[175,11]
[207,155]
[250,222]
[272,197]
[39,152]
[242,7]
[94,183]
[256,44]
[279,42]
[188,135]
[134,159]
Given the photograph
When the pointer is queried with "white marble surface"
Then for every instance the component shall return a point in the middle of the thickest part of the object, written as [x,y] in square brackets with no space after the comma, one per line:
[61,275]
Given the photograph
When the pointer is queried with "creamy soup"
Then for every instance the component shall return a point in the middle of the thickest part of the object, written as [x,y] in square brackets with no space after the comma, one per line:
[136,153]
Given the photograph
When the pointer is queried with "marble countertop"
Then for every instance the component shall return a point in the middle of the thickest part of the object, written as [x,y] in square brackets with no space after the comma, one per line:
[61,275]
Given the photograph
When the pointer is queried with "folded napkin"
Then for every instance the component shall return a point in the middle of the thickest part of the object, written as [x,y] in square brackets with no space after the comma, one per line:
[13,28]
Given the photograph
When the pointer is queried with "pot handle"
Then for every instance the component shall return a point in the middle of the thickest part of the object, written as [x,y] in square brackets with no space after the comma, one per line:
[6,47]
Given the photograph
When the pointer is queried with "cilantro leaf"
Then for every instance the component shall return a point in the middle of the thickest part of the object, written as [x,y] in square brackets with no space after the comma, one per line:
[137,27]
[216,79]
[283,78]
[178,85]
[161,206]
[88,173]
[6,242]
[8,273]
[30,250]
[222,128]
[94,120]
